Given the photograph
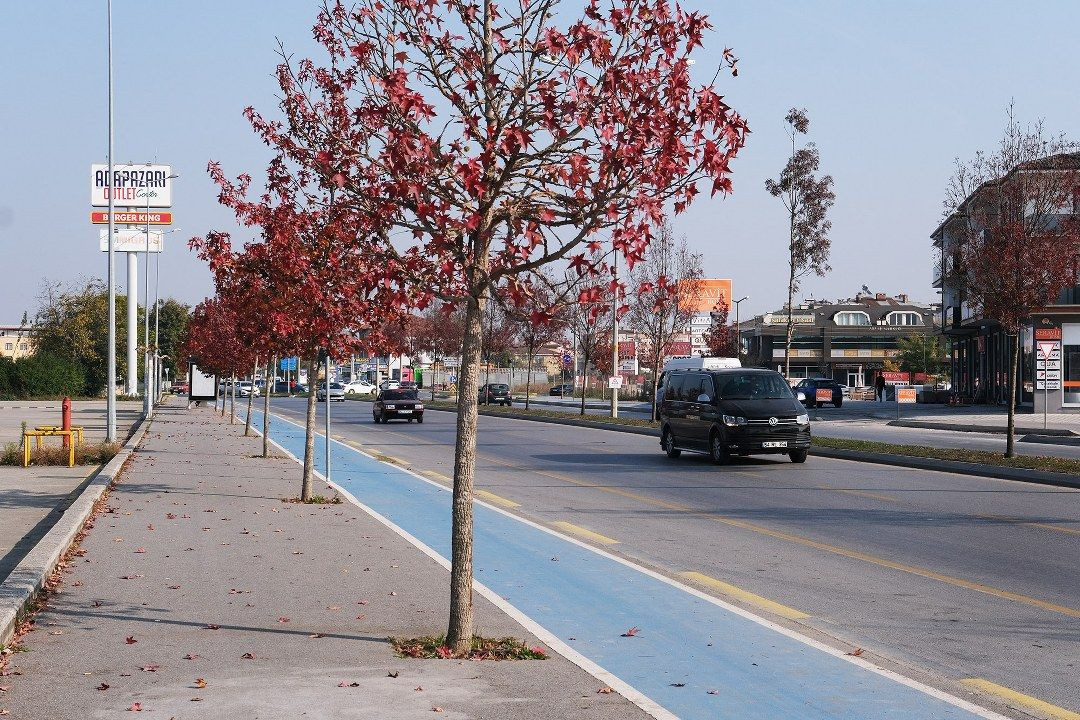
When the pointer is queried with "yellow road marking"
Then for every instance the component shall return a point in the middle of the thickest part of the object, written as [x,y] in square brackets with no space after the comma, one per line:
[1013,697]
[796,539]
[438,476]
[860,493]
[748,597]
[587,534]
[495,499]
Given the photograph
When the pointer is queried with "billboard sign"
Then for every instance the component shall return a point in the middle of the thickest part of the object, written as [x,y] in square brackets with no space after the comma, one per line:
[704,297]
[132,241]
[131,185]
[99,217]
[906,395]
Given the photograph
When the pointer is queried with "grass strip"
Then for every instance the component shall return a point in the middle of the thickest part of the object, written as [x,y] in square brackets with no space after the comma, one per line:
[520,410]
[980,457]
[482,648]
[53,454]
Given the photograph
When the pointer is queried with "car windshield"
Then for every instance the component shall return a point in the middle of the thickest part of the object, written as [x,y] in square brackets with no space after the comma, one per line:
[335,386]
[753,386]
[498,388]
[399,395]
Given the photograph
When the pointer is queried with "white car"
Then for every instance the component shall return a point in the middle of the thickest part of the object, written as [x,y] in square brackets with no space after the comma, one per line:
[245,388]
[390,385]
[360,387]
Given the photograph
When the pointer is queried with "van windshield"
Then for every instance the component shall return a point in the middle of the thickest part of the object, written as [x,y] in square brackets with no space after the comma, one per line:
[753,386]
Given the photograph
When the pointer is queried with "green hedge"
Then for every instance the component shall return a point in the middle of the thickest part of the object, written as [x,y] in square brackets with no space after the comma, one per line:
[40,376]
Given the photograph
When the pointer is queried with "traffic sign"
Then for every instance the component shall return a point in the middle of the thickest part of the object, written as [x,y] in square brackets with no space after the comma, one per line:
[1046,349]
[614,382]
[99,217]
[906,395]
[567,359]
[290,363]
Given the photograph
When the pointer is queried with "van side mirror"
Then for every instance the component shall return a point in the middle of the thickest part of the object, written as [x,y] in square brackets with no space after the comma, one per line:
[704,398]
[800,396]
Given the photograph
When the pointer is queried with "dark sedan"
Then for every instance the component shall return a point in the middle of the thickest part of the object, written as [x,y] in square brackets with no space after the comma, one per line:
[497,393]
[397,404]
[818,391]
[561,390]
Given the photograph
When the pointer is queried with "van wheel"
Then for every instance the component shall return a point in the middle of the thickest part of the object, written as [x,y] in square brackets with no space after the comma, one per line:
[717,452]
[667,443]
[838,403]
[797,456]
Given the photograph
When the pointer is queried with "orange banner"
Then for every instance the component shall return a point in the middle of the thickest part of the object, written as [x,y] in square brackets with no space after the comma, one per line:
[704,297]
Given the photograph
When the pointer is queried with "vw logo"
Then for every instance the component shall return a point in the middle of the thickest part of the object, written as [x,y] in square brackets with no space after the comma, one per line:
[773,421]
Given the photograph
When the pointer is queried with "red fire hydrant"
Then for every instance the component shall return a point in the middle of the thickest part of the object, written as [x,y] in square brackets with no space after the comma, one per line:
[66,423]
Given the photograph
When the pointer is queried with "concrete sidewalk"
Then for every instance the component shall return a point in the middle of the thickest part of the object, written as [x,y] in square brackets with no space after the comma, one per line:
[202,595]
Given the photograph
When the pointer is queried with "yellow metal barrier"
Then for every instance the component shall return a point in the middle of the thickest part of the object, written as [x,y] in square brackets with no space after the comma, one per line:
[74,435]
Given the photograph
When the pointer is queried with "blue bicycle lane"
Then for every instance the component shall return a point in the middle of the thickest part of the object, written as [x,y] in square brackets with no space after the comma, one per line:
[695,658]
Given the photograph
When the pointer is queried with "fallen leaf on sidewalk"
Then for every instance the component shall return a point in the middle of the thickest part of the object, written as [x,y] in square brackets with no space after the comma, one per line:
[57,632]
[150,526]
[135,707]
[130,577]
[604,691]
[393,673]
[283,619]
[139,551]
[362,602]
[713,692]
[419,688]
[316,635]
[856,652]
[189,656]
[200,683]
[170,516]
[631,632]
[103,686]
[174,587]
[150,668]
[130,640]
[345,684]
[333,608]
[248,656]
[392,593]
[678,684]
[436,709]
[196,699]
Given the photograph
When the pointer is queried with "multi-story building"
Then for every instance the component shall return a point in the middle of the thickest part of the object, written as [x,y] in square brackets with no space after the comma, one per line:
[980,347]
[848,340]
[16,341]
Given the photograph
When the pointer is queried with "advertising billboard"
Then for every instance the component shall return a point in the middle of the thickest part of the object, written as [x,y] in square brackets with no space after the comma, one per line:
[132,241]
[131,185]
[709,292]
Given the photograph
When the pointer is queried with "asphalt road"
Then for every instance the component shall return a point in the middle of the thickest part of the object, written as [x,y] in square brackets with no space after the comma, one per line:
[956,576]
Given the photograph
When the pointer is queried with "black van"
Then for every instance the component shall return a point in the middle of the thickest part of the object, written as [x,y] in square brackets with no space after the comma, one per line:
[740,411]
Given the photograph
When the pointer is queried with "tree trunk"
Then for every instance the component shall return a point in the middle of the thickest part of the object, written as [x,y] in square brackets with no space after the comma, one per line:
[309,429]
[224,399]
[251,399]
[266,407]
[460,631]
[790,316]
[655,387]
[1014,362]
[584,383]
[232,402]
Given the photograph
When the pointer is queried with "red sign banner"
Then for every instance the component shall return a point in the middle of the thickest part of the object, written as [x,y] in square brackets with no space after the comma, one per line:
[680,348]
[894,376]
[1048,333]
[823,395]
[131,218]
[627,351]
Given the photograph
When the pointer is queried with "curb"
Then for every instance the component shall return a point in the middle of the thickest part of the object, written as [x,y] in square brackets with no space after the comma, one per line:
[1038,477]
[27,578]
[995,429]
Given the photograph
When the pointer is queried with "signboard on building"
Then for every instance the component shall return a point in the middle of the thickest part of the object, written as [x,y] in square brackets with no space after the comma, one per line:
[1051,333]
[131,185]
[99,217]
[1048,361]
[705,295]
[132,241]
[895,377]
[782,319]
[679,348]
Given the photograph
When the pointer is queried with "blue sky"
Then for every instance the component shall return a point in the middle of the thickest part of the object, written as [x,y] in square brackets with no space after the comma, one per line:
[894,91]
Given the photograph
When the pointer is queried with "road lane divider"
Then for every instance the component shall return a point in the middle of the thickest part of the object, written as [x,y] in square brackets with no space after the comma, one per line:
[1013,698]
[497,499]
[584,533]
[745,596]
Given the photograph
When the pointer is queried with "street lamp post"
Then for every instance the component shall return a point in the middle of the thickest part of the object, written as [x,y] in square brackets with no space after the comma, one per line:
[738,330]
[149,362]
[110,391]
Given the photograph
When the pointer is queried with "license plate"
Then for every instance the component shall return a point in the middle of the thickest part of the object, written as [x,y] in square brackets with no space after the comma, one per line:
[406,412]
[774,444]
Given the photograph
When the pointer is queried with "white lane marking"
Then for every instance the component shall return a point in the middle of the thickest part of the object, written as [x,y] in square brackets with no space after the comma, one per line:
[742,612]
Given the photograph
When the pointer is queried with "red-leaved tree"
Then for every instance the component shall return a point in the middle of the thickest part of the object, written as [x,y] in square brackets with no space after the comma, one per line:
[491,139]
[722,338]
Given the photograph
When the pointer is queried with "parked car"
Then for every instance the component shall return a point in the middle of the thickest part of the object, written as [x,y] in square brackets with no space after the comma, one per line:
[732,412]
[389,385]
[809,387]
[337,392]
[397,404]
[498,393]
[182,387]
[245,388]
[361,387]
[561,390]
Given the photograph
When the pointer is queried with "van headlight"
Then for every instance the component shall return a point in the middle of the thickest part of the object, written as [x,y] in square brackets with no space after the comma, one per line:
[802,419]
[391,407]
[733,421]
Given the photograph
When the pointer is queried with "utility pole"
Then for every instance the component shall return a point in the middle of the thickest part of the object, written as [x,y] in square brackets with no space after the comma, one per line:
[110,391]
[326,427]
[148,402]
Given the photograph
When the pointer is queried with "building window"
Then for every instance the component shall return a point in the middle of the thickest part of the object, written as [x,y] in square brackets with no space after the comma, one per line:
[851,317]
[904,318]
[8,346]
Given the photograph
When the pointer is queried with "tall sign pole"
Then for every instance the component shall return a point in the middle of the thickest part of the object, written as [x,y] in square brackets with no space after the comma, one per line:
[148,403]
[615,332]
[110,391]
